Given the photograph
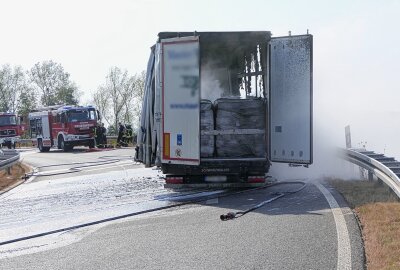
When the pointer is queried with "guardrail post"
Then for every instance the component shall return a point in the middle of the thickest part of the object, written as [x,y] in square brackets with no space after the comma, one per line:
[370,176]
[8,158]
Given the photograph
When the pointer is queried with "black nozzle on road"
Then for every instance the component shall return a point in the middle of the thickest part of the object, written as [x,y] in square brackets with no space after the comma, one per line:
[228,216]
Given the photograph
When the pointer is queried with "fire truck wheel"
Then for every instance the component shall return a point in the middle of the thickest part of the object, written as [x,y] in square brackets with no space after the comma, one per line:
[42,148]
[9,145]
[63,145]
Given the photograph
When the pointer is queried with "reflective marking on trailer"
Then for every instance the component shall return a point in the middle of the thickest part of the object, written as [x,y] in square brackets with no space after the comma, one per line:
[167,149]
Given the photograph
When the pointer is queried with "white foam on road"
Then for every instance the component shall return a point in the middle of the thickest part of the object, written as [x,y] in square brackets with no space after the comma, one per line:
[344,248]
[49,205]
[43,206]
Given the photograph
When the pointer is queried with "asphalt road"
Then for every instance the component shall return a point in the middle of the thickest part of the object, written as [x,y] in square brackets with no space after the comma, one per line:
[297,231]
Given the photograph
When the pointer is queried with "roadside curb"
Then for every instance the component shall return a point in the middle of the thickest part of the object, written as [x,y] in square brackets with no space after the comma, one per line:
[19,182]
[16,184]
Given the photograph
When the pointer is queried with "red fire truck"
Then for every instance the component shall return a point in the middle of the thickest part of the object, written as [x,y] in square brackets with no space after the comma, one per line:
[63,127]
[10,129]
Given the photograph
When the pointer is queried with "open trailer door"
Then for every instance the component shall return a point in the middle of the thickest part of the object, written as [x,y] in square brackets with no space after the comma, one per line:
[290,96]
[180,69]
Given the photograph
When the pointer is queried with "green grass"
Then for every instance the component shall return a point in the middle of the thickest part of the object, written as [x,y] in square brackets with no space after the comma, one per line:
[378,210]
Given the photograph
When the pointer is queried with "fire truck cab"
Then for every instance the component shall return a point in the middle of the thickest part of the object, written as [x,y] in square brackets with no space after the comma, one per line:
[63,127]
[10,130]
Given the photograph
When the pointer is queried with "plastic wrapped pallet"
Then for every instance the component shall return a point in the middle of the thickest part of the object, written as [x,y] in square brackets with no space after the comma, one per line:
[206,124]
[240,114]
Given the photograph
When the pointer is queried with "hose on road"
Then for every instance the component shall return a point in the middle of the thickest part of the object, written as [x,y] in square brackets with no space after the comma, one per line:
[24,238]
[104,160]
[232,215]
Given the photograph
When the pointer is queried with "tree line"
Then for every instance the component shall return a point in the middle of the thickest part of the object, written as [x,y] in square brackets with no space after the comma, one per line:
[118,98]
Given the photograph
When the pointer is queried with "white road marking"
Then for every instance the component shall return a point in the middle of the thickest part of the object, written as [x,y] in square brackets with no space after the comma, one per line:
[212,201]
[344,248]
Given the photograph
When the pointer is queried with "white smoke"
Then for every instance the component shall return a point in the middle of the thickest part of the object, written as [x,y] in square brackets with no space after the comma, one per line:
[211,80]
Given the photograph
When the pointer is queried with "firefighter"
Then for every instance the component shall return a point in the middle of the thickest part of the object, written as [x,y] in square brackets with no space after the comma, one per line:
[125,136]
[121,130]
[128,134]
[104,137]
[99,135]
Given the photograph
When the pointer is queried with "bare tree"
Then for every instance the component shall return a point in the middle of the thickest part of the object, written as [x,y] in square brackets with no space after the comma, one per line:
[54,84]
[136,102]
[120,98]
[101,99]
[133,106]
[112,97]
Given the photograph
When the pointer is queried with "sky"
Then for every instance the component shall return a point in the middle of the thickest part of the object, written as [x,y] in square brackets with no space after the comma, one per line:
[356,49]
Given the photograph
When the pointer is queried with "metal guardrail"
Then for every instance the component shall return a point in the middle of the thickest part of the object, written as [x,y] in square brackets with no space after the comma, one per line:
[25,141]
[8,158]
[385,168]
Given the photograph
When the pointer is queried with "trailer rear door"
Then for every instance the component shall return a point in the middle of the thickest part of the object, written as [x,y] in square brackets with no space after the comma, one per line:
[290,96]
[180,68]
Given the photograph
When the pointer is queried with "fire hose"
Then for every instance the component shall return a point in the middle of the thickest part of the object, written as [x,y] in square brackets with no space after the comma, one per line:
[278,195]
[104,160]
[229,216]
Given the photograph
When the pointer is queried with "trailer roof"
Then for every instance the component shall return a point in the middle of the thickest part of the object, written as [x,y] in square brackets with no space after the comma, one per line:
[241,37]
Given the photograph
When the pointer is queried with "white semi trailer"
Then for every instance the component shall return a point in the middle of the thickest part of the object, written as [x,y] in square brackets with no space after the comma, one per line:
[219,107]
